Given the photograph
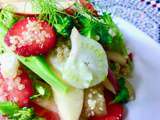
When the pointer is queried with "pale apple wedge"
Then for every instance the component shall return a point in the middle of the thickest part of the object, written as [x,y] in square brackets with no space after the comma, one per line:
[69,104]
[22,7]
[26,7]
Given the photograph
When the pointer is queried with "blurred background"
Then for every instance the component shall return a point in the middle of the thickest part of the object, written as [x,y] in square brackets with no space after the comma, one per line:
[144,14]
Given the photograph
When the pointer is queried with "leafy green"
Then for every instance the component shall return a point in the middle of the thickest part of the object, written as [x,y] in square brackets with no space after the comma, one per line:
[118,44]
[25,114]
[89,27]
[8,108]
[42,90]
[100,28]
[13,112]
[63,25]
[58,19]
[123,94]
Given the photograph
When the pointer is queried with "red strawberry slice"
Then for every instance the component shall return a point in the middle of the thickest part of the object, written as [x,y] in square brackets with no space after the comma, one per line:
[18,89]
[31,36]
[42,112]
[114,111]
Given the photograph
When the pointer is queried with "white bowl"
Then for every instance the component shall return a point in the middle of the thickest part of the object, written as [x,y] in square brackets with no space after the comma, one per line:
[146,77]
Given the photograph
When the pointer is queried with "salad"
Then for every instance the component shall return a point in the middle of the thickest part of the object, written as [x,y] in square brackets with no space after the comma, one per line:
[66,62]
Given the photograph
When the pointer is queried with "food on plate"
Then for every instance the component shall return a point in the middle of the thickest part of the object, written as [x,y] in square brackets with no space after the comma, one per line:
[63,62]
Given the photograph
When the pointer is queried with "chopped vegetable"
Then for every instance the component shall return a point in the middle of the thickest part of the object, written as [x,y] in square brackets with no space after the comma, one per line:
[70,104]
[123,94]
[63,25]
[104,30]
[117,44]
[87,63]
[116,57]
[13,112]
[42,90]
[114,111]
[8,108]
[94,102]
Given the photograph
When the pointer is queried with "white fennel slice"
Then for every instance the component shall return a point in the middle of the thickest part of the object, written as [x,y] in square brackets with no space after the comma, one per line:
[87,63]
[69,104]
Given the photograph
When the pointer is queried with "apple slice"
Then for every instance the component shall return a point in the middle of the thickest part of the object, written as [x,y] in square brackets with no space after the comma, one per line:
[26,7]
[69,104]
[22,7]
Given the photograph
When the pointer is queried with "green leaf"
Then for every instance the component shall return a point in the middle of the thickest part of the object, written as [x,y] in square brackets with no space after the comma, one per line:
[105,30]
[63,25]
[117,44]
[8,108]
[42,90]
[58,19]
[123,94]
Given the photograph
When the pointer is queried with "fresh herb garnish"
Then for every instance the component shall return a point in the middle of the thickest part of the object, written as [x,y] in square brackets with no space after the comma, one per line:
[102,28]
[123,94]
[41,90]
[61,21]
[8,108]
[13,112]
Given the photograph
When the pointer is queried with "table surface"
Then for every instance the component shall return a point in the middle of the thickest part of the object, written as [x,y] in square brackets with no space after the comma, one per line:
[144,14]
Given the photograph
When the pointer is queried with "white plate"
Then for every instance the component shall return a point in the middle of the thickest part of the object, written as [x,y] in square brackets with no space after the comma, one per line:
[146,77]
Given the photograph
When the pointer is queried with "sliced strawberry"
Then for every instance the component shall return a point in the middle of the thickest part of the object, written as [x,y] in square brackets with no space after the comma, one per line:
[31,36]
[114,111]
[18,89]
[42,112]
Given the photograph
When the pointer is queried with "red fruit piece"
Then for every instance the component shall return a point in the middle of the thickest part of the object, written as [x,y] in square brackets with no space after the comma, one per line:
[113,80]
[42,112]
[114,111]
[18,89]
[89,6]
[31,36]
